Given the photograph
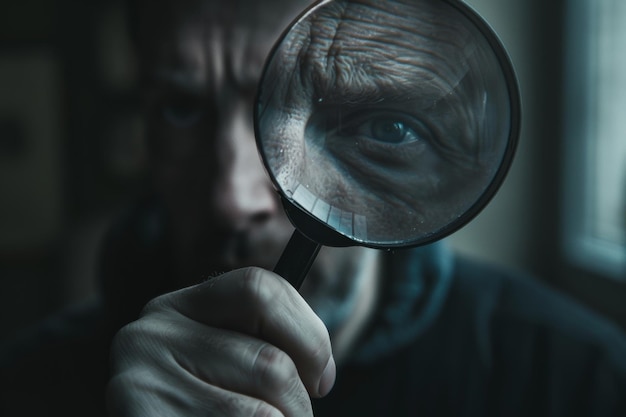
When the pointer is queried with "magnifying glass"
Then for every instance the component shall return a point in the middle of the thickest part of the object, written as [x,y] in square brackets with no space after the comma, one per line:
[384,123]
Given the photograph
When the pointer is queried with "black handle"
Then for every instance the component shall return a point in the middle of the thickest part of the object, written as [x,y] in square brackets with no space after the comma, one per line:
[297,259]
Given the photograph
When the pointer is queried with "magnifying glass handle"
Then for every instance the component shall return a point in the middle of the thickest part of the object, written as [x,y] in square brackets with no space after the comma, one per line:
[297,259]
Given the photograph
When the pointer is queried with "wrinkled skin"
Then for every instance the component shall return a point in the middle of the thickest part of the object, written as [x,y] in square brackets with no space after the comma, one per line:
[200,73]
[194,353]
[399,116]
[243,343]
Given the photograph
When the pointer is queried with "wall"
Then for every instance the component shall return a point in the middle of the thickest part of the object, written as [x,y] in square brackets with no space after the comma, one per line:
[69,153]
[504,233]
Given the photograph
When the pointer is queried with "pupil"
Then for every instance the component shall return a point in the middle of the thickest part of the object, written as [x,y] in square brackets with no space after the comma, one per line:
[389,131]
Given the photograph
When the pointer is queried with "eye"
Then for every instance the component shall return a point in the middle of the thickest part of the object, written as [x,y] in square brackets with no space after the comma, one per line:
[388,128]
[182,114]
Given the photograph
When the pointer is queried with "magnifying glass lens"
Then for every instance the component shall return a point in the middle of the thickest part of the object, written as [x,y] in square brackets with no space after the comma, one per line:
[392,123]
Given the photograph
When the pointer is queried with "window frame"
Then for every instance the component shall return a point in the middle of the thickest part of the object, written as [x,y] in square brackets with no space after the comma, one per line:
[581,246]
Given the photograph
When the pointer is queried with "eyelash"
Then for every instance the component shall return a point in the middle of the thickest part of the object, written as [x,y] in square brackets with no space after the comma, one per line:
[181,117]
[364,124]
[180,112]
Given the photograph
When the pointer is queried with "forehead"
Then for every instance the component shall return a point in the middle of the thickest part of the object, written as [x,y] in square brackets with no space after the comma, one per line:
[197,34]
[258,15]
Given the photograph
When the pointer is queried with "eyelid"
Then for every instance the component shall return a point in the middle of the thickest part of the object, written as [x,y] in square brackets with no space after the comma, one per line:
[358,118]
[181,111]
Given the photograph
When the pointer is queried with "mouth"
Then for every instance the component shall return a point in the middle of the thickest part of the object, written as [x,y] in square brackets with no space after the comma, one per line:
[219,255]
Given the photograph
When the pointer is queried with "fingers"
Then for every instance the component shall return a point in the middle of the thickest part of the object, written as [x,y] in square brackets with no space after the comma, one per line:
[244,344]
[260,304]
[155,394]
[183,365]
[240,363]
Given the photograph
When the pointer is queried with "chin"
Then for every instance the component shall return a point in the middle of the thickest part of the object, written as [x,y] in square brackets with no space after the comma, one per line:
[336,281]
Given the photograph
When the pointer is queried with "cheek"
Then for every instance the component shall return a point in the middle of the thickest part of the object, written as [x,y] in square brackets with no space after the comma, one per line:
[282,127]
[283,147]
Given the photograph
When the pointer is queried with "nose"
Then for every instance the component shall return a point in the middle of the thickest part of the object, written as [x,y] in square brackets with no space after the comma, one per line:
[244,195]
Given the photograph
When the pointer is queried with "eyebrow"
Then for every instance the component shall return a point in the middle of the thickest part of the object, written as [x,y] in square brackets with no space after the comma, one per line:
[385,88]
[398,69]
[181,81]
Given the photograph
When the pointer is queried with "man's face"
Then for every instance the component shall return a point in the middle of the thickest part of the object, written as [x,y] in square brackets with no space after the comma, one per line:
[200,63]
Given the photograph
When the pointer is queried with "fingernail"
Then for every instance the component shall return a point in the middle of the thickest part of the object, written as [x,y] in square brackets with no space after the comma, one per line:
[328,378]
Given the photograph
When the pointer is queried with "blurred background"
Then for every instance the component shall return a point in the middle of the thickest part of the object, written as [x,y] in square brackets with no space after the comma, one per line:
[72,151]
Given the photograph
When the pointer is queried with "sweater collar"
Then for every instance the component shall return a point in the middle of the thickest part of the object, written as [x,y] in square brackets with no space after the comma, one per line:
[415,288]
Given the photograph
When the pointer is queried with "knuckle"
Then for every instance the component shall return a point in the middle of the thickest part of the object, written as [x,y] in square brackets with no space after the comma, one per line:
[126,349]
[143,339]
[153,306]
[275,369]
[125,337]
[263,409]
[236,405]
[258,288]
[228,405]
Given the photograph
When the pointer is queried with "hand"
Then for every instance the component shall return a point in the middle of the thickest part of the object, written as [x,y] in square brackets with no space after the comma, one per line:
[242,344]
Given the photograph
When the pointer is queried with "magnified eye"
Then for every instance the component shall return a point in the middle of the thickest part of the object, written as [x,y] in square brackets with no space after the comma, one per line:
[182,114]
[393,129]
[388,130]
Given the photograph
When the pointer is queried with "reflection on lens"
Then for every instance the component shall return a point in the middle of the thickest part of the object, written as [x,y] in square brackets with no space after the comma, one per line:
[386,120]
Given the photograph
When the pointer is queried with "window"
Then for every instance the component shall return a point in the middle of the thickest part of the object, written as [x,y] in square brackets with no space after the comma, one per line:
[595,136]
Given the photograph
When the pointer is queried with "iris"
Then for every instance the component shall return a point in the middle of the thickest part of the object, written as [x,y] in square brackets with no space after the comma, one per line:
[388,130]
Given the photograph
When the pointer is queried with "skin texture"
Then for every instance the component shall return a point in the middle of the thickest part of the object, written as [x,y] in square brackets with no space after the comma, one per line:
[255,360]
[200,77]
[243,343]
[394,116]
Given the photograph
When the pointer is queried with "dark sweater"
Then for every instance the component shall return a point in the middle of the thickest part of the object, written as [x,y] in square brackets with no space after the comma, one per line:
[503,345]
